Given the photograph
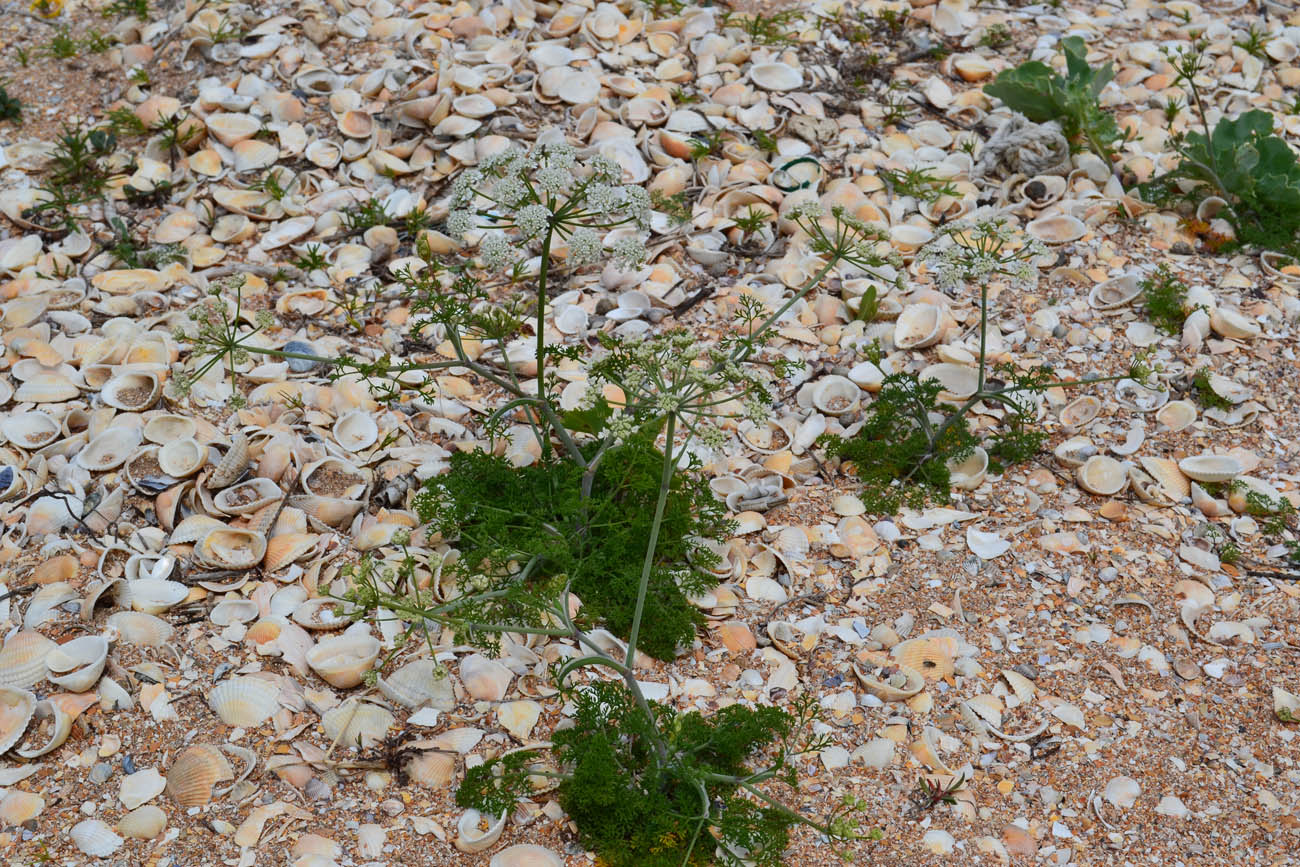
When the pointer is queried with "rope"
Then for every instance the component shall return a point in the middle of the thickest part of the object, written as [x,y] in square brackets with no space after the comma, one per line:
[1021,146]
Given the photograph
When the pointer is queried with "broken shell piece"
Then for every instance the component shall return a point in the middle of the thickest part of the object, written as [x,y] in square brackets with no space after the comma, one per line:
[887,684]
[51,725]
[244,701]
[476,832]
[247,497]
[1168,476]
[1210,468]
[138,628]
[76,665]
[484,679]
[357,723]
[526,855]
[141,787]
[198,768]
[22,660]
[419,683]
[1286,705]
[151,595]
[1233,324]
[343,660]
[931,657]
[1103,476]
[968,474]
[18,807]
[95,838]
[17,706]
[1254,495]
[1075,451]
[1116,292]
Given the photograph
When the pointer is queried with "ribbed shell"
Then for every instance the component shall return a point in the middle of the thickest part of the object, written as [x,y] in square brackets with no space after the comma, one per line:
[244,701]
[196,770]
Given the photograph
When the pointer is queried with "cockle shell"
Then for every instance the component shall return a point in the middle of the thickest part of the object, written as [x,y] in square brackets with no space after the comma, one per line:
[898,685]
[356,430]
[76,665]
[1102,475]
[1177,414]
[95,838]
[23,659]
[1080,411]
[110,449]
[193,528]
[476,832]
[18,807]
[342,661]
[357,723]
[231,548]
[959,381]
[151,595]
[1041,190]
[244,700]
[17,706]
[484,679]
[131,391]
[167,427]
[247,497]
[419,683]
[232,465]
[933,658]
[229,611]
[1057,229]
[198,768]
[1211,468]
[1242,489]
[138,628]
[60,711]
[335,478]
[1075,451]
[917,326]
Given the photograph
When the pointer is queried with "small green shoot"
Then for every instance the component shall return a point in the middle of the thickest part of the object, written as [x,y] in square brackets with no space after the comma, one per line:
[996,36]
[918,183]
[11,108]
[1165,298]
[1206,396]
[61,45]
[311,259]
[677,206]
[1253,42]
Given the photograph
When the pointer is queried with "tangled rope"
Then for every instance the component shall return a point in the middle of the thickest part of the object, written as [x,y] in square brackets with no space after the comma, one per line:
[1021,146]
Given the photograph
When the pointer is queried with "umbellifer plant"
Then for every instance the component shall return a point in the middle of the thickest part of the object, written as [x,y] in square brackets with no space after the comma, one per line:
[912,434]
[594,517]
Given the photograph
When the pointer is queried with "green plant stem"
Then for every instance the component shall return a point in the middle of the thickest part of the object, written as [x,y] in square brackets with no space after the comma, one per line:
[542,279]
[742,353]
[665,482]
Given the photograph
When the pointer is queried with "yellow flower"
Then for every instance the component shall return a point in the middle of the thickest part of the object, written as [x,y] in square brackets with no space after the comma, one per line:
[47,8]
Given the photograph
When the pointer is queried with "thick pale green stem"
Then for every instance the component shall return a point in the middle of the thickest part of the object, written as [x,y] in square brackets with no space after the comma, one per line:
[542,276]
[647,565]
[984,332]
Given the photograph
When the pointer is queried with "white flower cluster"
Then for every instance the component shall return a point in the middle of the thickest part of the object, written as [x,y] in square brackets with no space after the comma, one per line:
[548,192]
[975,250]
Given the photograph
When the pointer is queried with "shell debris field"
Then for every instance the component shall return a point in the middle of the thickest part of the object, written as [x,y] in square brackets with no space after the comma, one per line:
[1085,655]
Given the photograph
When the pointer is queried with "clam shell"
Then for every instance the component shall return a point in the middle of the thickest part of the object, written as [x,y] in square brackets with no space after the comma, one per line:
[142,823]
[181,457]
[1244,486]
[131,391]
[110,449]
[917,326]
[357,723]
[1074,451]
[151,595]
[1177,414]
[1102,475]
[77,665]
[231,548]
[30,430]
[193,528]
[229,611]
[1211,468]
[356,430]
[1233,324]
[95,838]
[1168,476]
[232,465]
[419,683]
[1080,411]
[471,837]
[1057,229]
[968,473]
[244,701]
[959,381]
[247,497]
[17,707]
[775,76]
[166,427]
[335,478]
[526,855]
[18,807]
[288,548]
[23,659]
[1115,293]
[1041,190]
[836,395]
[484,679]
[198,768]
[343,660]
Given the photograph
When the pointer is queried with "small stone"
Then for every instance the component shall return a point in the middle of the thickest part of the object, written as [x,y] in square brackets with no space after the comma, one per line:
[301,365]
[101,772]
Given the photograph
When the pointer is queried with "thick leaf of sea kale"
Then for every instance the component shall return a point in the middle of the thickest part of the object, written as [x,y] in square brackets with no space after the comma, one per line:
[1031,89]
[1078,73]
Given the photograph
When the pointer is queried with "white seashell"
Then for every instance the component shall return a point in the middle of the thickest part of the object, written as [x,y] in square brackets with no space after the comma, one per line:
[23,659]
[1243,486]
[95,838]
[1080,411]
[419,683]
[77,665]
[1102,475]
[1211,468]
[356,430]
[230,548]
[484,679]
[142,823]
[1057,229]
[110,449]
[1177,415]
[476,832]
[917,326]
[17,707]
[138,628]
[141,787]
[229,611]
[131,391]
[1233,324]
[30,430]
[986,546]
[244,701]
[775,76]
[1137,396]
[959,381]
[836,395]
[343,660]
[968,473]
[1116,292]
[357,723]
[526,855]
[247,497]
[181,458]
[1075,451]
